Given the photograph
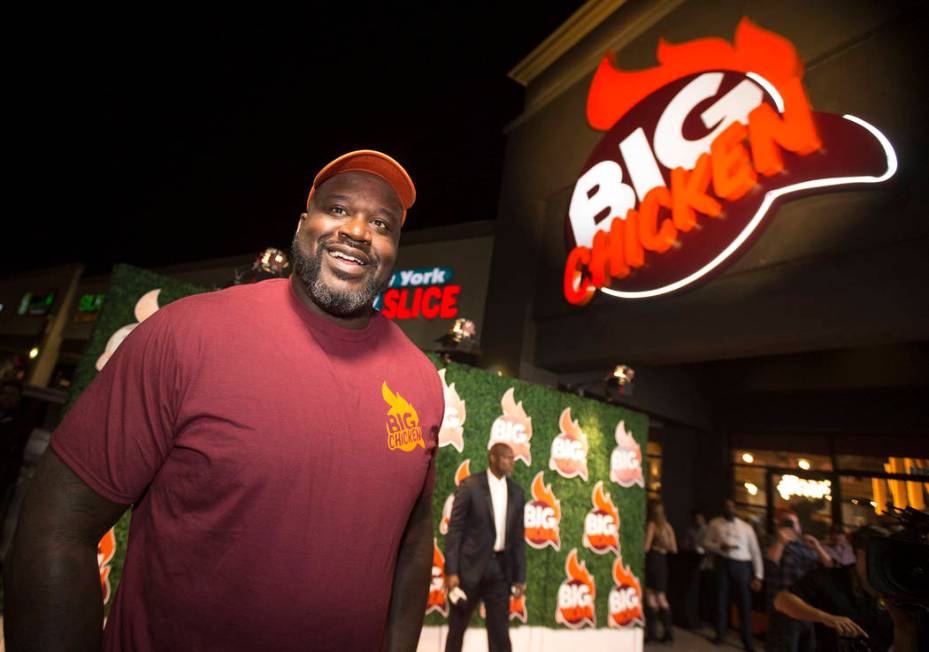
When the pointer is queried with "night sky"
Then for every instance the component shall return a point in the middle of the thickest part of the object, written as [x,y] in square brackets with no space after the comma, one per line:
[171,137]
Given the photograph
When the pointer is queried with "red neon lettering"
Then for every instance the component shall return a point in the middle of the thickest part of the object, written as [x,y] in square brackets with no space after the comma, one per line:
[430,307]
[606,257]
[578,290]
[796,132]
[651,236]
[390,303]
[688,194]
[733,175]
[449,309]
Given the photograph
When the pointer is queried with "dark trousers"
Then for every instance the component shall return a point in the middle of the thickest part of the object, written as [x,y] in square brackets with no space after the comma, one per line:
[737,577]
[788,635]
[494,590]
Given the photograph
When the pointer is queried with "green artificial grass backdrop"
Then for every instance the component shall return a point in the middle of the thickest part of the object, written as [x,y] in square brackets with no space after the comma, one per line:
[481,391]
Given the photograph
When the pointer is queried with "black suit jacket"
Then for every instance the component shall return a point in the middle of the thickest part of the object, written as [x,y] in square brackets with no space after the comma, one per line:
[472,532]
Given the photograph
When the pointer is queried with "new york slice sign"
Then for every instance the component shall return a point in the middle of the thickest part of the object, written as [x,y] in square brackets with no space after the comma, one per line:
[698,151]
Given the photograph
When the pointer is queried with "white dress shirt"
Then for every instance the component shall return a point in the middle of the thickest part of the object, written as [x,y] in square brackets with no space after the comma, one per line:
[498,498]
[741,536]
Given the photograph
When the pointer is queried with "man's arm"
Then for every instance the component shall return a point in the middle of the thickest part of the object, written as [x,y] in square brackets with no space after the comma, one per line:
[52,593]
[711,538]
[795,607]
[817,547]
[411,579]
[757,561]
[456,523]
[519,540]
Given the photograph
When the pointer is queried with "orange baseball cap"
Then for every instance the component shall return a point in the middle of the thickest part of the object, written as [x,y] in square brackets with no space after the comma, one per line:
[373,162]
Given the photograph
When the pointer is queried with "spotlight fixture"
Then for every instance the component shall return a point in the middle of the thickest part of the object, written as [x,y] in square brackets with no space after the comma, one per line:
[460,342]
[462,330]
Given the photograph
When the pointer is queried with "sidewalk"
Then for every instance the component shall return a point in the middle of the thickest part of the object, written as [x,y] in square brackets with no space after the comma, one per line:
[686,640]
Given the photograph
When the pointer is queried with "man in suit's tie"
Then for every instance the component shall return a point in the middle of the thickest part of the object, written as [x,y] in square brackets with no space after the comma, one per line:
[485,552]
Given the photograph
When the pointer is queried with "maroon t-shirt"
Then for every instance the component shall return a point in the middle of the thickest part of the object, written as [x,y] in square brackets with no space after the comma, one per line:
[273,459]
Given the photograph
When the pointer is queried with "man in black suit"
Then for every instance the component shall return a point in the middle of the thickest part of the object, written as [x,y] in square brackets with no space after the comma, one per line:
[485,552]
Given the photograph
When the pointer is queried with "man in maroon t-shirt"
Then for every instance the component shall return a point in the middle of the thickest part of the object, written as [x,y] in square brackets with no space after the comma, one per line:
[277,444]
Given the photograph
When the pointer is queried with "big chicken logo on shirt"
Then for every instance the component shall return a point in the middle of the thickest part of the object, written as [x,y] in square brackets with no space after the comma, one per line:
[106,550]
[513,427]
[576,595]
[626,459]
[625,601]
[438,594]
[403,430]
[569,449]
[601,525]
[452,431]
[697,151]
[464,470]
[542,516]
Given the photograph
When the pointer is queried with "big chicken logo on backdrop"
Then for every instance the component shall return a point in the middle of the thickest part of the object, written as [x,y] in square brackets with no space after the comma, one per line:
[626,459]
[513,427]
[463,471]
[569,448]
[697,151]
[542,516]
[625,601]
[106,550]
[452,431]
[576,595]
[601,525]
[438,599]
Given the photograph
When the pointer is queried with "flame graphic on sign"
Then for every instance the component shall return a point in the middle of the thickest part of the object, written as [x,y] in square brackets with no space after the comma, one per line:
[464,470]
[577,595]
[614,91]
[106,550]
[537,532]
[569,448]
[452,431]
[437,601]
[625,603]
[513,427]
[518,608]
[544,493]
[595,539]
[145,307]
[403,429]
[626,459]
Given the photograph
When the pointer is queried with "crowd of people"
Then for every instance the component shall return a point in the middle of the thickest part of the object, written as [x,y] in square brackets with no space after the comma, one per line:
[817,594]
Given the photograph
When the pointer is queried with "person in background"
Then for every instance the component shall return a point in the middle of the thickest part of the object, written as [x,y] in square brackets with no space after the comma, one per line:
[659,542]
[698,565]
[838,547]
[789,558]
[739,567]
[848,614]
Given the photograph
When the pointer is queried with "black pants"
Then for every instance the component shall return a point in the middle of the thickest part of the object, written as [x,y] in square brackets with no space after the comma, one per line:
[494,590]
[736,576]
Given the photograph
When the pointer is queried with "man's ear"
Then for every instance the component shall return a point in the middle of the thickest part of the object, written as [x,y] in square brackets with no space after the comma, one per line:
[301,221]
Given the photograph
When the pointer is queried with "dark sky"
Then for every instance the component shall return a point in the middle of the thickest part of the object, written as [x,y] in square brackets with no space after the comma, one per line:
[163,138]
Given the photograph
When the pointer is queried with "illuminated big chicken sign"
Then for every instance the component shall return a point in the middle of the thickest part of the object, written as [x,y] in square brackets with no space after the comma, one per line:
[438,595]
[697,151]
[625,601]
[601,525]
[542,516]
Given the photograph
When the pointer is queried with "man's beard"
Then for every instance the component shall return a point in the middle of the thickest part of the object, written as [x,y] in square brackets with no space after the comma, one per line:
[339,304]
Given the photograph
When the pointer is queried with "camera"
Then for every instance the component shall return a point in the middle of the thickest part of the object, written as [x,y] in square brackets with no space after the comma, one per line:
[898,565]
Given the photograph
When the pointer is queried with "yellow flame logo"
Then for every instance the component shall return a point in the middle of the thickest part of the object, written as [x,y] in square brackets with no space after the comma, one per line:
[404,431]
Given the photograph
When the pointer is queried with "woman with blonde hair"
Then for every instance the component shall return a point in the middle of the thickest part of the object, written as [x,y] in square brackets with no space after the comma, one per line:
[659,542]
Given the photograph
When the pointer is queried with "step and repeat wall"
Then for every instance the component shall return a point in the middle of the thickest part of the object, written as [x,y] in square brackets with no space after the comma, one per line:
[579,461]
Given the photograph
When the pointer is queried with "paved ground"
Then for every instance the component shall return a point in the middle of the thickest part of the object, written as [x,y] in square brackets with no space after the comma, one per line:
[700,641]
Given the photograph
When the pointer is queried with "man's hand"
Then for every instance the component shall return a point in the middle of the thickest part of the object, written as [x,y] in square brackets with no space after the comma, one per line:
[756,585]
[843,626]
[786,535]
[452,581]
[518,590]
[726,547]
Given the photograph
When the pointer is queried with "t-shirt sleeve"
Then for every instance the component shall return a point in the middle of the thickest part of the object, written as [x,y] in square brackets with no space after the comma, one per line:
[119,432]
[437,414]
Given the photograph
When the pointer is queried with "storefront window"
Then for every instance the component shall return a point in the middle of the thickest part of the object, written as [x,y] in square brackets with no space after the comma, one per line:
[653,481]
[799,461]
